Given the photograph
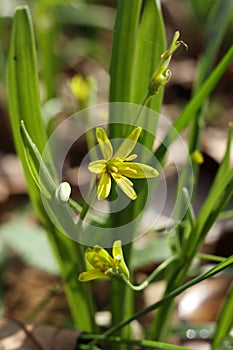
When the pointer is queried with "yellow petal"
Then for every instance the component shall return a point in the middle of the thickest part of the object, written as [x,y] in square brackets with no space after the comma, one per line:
[131,157]
[128,144]
[117,251]
[97,167]
[103,255]
[91,275]
[104,186]
[99,258]
[136,170]
[105,144]
[125,185]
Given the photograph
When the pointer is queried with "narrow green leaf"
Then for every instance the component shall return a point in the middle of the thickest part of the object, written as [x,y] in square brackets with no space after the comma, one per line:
[145,343]
[225,320]
[220,192]
[216,25]
[195,103]
[202,8]
[225,164]
[226,343]
[36,165]
[215,29]
[214,204]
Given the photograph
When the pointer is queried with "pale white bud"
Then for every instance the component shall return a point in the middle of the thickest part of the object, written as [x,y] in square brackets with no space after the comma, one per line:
[63,192]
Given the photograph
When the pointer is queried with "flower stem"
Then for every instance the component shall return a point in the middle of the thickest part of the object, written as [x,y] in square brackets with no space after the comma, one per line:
[143,104]
[91,196]
[151,277]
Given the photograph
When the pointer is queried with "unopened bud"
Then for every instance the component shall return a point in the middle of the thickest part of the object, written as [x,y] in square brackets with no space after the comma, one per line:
[197,157]
[63,192]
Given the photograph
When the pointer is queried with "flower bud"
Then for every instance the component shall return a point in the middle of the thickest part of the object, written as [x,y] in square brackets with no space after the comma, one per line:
[162,74]
[197,157]
[63,192]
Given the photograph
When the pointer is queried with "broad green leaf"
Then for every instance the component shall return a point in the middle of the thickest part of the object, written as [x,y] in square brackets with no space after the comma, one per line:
[121,75]
[23,87]
[151,44]
[224,322]
[24,104]
[122,62]
[123,50]
[137,46]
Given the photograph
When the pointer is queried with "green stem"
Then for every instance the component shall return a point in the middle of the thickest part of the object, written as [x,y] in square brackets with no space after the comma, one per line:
[228,214]
[78,208]
[143,104]
[91,196]
[210,257]
[75,205]
[151,277]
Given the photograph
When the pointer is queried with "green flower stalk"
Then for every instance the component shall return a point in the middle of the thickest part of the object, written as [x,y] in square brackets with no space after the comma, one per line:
[118,165]
[105,265]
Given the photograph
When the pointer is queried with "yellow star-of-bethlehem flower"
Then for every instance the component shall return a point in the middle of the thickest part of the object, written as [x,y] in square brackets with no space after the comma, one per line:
[105,265]
[119,165]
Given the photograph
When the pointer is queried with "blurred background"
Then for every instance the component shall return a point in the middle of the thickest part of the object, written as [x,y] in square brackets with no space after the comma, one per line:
[74,38]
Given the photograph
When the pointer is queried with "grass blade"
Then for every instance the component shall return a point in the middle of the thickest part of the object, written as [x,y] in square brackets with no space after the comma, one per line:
[195,103]
[225,320]
[216,26]
[217,22]
[144,343]
[219,194]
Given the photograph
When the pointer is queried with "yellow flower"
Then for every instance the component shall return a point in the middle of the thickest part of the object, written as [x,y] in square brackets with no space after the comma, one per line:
[119,165]
[81,88]
[104,265]
[197,157]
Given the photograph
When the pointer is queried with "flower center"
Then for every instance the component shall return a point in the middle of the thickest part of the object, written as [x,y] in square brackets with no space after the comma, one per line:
[111,167]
